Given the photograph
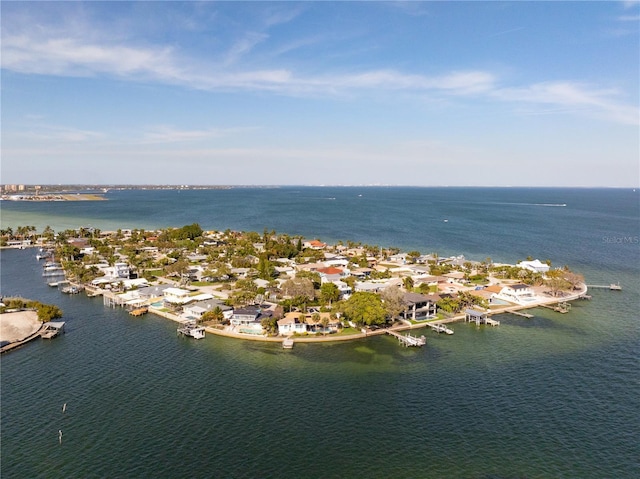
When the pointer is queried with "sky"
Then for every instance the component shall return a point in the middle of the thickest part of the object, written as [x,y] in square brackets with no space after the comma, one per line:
[321,93]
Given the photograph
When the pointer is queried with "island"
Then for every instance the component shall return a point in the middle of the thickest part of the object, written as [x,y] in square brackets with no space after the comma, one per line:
[278,287]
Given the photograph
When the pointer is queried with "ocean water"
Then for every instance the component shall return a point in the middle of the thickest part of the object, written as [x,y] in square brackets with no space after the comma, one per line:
[552,396]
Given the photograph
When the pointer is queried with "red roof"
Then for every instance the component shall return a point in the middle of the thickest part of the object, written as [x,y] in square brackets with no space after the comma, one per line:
[330,270]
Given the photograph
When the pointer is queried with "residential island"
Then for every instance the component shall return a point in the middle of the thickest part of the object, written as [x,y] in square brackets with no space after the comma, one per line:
[277,287]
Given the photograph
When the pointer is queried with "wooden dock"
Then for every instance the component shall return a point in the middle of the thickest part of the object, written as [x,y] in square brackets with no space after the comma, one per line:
[520,313]
[440,328]
[409,340]
[139,311]
[611,287]
[563,307]
[480,317]
[287,343]
[52,329]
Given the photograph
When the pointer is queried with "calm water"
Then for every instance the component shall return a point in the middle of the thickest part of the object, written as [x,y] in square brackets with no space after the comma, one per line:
[553,396]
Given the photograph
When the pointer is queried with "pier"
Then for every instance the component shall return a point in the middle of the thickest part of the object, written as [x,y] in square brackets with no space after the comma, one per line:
[611,287]
[480,317]
[524,315]
[409,340]
[52,329]
[440,328]
[563,307]
[287,343]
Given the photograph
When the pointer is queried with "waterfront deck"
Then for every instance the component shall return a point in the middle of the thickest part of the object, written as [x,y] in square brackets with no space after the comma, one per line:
[440,328]
[562,307]
[192,330]
[611,287]
[52,329]
[287,343]
[481,317]
[409,340]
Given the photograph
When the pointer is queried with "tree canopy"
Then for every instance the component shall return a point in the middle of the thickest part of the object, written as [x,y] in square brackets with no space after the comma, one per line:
[365,308]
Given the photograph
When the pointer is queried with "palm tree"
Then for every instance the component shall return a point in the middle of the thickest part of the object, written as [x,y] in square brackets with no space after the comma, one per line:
[408,283]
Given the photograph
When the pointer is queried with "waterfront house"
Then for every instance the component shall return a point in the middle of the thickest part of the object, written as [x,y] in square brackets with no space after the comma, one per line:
[196,309]
[520,293]
[177,295]
[536,266]
[297,322]
[314,244]
[153,291]
[247,319]
[419,306]
[135,283]
[292,322]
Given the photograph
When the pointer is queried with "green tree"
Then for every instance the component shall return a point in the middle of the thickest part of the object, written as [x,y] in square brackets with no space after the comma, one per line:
[408,283]
[412,256]
[270,325]
[329,293]
[215,315]
[47,312]
[365,308]
[266,270]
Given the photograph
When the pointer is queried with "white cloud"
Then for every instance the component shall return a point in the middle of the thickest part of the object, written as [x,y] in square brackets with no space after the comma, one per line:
[48,133]
[49,52]
[573,96]
[166,134]
[244,46]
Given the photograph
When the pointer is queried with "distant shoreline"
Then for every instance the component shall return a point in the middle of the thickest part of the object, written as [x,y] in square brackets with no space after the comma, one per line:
[55,197]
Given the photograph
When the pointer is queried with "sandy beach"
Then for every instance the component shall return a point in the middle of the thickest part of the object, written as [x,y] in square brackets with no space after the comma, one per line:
[18,326]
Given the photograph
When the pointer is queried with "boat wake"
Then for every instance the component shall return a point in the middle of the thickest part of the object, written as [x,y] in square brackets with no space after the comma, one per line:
[548,205]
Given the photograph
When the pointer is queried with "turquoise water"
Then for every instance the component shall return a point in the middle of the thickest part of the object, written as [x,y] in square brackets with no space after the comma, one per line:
[552,396]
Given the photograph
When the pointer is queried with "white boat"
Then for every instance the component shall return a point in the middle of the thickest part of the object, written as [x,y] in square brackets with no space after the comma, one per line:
[190,329]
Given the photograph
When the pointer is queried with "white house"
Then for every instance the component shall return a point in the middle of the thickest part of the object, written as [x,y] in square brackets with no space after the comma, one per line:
[517,293]
[296,322]
[197,309]
[177,295]
[536,266]
[344,288]
[291,324]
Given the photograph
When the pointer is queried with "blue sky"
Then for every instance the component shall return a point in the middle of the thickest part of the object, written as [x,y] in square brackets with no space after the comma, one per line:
[399,93]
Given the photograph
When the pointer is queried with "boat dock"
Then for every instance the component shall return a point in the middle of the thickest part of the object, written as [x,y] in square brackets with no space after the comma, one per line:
[139,311]
[52,329]
[409,340]
[287,343]
[563,307]
[72,289]
[480,317]
[611,287]
[440,328]
[192,330]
